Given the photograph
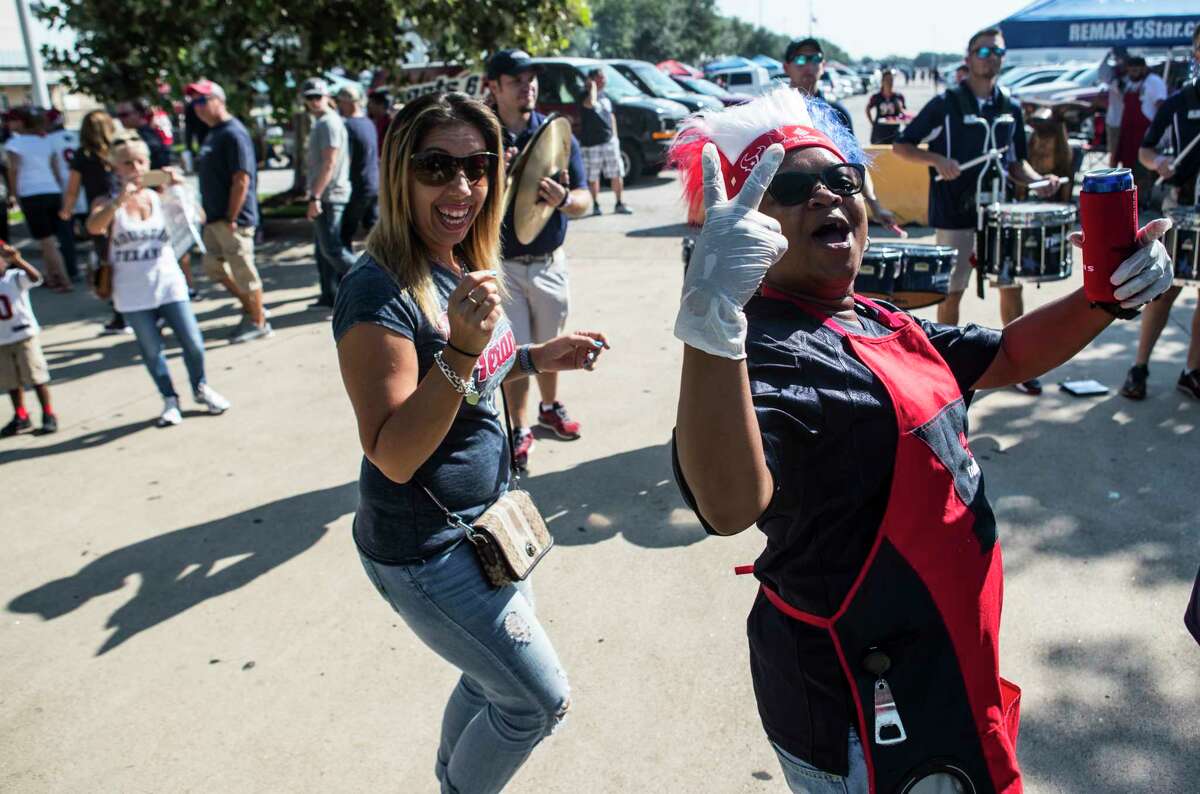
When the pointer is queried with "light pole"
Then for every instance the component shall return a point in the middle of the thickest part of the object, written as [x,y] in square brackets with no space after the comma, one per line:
[41,97]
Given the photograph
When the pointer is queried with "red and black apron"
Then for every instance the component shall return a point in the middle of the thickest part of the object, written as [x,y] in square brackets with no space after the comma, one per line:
[917,633]
[1133,127]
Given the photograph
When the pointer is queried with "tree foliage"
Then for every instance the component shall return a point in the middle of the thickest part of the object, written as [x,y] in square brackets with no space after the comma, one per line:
[130,49]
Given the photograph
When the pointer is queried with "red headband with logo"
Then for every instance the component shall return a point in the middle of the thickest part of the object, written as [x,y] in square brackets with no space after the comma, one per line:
[792,137]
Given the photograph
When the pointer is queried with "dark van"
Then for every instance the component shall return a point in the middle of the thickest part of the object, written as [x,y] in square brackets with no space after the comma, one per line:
[645,124]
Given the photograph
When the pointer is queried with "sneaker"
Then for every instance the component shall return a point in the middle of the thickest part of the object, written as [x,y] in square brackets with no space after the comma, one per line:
[208,397]
[596,209]
[555,418]
[1032,386]
[522,445]
[49,424]
[621,209]
[1189,383]
[16,426]
[170,413]
[252,332]
[1135,382]
[115,326]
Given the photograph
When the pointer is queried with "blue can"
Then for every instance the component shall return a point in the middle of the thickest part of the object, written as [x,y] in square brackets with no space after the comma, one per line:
[1107,180]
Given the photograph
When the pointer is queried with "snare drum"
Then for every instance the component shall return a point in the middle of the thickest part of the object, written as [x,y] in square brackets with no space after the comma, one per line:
[1026,242]
[924,274]
[1183,243]
[878,272]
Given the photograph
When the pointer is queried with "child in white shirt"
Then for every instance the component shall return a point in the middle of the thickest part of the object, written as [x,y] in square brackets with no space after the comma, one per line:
[22,363]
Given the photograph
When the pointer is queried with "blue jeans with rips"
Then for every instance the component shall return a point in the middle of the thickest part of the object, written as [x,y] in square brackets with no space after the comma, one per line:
[182,320]
[334,259]
[512,692]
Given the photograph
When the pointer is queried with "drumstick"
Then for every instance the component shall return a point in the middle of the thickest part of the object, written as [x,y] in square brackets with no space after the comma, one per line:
[1041,183]
[1175,163]
[983,158]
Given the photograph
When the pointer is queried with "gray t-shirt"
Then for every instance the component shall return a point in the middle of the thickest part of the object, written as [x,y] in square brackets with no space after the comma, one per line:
[398,522]
[329,131]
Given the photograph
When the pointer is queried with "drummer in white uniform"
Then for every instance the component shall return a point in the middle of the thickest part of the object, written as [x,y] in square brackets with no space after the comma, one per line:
[1175,126]
[950,122]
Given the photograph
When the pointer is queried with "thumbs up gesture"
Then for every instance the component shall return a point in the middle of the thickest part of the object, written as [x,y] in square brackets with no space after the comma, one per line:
[734,251]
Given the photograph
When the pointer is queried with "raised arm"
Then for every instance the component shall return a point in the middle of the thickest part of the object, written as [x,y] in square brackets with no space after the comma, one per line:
[717,434]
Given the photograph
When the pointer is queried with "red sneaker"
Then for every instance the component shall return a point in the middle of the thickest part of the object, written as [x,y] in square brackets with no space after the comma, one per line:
[522,444]
[555,418]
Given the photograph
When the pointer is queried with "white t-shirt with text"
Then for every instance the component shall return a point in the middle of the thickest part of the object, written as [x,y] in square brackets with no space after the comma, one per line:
[36,175]
[17,322]
[146,273]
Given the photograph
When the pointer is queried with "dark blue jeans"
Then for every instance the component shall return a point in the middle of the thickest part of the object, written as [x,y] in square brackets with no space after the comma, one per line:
[363,210]
[334,258]
[150,340]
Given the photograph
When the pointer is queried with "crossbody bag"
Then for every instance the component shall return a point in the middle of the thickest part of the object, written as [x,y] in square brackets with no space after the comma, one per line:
[510,536]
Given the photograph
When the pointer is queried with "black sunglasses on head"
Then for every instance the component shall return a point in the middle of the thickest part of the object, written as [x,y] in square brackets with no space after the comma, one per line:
[796,187]
[439,168]
[987,52]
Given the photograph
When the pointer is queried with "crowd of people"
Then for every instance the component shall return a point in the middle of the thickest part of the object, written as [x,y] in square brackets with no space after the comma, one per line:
[881,580]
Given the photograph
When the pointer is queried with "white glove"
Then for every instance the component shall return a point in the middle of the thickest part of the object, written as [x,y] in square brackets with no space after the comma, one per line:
[734,251]
[1148,273]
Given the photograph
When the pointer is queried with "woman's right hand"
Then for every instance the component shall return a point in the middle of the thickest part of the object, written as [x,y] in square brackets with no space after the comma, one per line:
[473,310]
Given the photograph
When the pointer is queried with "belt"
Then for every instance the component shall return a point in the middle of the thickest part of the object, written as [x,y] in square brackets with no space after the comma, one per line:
[530,259]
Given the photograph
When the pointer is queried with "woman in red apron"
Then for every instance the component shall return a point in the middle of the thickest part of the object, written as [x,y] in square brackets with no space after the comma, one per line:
[839,426]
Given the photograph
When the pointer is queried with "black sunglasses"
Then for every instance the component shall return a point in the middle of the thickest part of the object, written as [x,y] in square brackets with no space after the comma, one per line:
[800,60]
[987,52]
[438,168]
[796,187]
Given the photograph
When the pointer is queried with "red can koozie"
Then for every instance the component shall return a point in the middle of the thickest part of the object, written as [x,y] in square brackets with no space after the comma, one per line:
[1109,217]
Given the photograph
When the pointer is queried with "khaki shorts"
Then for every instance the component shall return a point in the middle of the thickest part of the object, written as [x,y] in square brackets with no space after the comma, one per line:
[22,364]
[964,241]
[539,296]
[231,256]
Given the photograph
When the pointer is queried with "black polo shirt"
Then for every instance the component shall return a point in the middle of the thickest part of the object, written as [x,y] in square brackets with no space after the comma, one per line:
[829,435]
[555,232]
[1178,122]
[952,202]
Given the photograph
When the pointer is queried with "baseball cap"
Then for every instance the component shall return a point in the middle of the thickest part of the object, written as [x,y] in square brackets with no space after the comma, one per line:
[314,86]
[795,45]
[204,88]
[510,62]
[350,91]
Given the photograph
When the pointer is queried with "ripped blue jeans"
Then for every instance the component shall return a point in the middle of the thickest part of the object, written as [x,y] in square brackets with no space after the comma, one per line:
[512,692]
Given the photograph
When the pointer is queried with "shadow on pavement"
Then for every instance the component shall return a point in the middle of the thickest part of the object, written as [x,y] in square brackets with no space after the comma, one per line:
[631,493]
[670,230]
[181,569]
[88,440]
[1088,735]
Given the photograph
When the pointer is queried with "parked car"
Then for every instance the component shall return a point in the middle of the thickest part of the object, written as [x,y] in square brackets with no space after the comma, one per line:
[646,124]
[650,79]
[750,80]
[698,85]
[1083,77]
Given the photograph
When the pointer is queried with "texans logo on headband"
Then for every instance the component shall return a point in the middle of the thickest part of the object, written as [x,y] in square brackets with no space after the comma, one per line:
[792,137]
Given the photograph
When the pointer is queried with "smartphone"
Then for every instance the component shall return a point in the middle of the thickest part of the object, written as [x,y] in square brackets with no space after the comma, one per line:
[156,178]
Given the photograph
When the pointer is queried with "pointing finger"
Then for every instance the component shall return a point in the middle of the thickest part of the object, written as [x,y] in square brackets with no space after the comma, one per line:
[714,180]
[756,184]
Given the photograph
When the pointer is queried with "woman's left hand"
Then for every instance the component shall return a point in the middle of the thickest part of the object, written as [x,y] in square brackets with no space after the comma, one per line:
[579,350]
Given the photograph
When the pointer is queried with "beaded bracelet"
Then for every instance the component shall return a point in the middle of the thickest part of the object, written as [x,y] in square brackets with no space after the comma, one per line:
[525,360]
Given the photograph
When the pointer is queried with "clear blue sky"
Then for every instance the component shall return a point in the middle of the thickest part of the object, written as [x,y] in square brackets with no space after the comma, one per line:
[878,27]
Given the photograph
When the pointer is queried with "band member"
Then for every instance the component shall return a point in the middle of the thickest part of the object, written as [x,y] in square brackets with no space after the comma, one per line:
[838,425]
[956,121]
[535,275]
[804,64]
[1179,121]
[423,347]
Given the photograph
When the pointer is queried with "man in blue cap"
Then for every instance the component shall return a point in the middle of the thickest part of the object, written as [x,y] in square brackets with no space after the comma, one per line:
[535,275]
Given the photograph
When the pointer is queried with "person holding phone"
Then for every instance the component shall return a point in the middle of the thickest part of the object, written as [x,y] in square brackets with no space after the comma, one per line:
[424,345]
[147,284]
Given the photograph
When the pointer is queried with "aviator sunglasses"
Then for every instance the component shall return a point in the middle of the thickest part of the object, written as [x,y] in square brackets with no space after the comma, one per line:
[796,187]
[439,168]
[987,52]
[800,60]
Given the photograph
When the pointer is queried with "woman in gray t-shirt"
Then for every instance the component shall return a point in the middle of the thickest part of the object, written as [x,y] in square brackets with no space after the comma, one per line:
[418,326]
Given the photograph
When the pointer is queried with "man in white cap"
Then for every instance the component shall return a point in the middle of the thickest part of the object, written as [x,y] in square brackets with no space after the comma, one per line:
[327,166]
[228,172]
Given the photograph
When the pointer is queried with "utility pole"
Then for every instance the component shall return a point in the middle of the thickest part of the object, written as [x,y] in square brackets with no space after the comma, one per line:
[41,97]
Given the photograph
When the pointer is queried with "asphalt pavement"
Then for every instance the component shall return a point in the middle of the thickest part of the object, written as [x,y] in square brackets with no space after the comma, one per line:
[184,609]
